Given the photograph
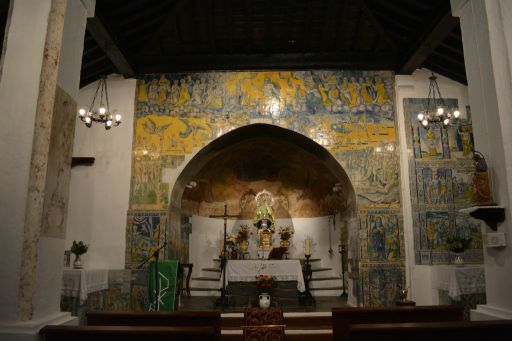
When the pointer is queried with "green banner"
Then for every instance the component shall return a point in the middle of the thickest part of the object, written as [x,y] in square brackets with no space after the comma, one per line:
[167,278]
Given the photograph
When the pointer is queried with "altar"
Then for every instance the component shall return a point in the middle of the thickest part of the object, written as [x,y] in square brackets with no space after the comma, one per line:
[280,270]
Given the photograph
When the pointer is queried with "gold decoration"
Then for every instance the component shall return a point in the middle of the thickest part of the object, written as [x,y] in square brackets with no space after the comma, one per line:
[266,239]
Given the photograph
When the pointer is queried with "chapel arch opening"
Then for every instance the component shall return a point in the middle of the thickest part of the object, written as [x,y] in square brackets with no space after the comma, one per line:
[311,193]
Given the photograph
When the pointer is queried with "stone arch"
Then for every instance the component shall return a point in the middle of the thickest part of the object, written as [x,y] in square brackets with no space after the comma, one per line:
[266,134]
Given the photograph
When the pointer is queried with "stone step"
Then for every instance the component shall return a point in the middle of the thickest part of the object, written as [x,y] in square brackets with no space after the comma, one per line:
[203,289]
[211,269]
[326,278]
[212,279]
[326,288]
[290,335]
[321,269]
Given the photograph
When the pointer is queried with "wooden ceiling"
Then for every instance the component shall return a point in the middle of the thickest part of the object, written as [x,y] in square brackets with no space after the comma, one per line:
[147,36]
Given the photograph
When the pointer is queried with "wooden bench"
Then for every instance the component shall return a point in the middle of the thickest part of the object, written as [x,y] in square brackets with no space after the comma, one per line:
[342,318]
[430,331]
[127,333]
[177,318]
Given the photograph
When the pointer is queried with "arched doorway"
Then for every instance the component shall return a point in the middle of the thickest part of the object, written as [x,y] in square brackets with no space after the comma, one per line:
[308,184]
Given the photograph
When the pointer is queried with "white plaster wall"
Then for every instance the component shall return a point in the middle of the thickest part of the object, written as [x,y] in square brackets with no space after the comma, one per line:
[99,194]
[420,279]
[487,37]
[19,86]
[72,42]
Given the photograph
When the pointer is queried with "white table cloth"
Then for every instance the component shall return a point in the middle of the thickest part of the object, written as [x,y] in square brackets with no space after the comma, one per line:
[461,280]
[281,270]
[81,282]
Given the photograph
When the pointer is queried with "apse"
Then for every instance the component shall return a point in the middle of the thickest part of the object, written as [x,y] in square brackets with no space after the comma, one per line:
[304,179]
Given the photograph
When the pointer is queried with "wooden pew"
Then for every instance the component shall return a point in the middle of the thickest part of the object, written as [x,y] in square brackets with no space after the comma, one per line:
[429,331]
[343,317]
[177,318]
[127,333]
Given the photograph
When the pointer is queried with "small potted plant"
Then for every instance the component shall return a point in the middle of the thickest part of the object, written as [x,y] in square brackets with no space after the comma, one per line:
[231,243]
[458,245]
[264,285]
[78,249]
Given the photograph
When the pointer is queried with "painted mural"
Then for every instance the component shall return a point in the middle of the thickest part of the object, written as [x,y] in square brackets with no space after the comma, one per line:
[443,168]
[350,113]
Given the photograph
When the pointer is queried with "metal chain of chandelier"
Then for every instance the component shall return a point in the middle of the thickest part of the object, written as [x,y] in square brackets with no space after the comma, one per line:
[101,114]
[436,111]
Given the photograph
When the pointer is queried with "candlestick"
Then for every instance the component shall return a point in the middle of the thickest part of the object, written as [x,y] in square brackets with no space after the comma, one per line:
[307,248]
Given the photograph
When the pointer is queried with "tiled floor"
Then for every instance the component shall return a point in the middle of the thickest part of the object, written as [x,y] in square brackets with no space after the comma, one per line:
[196,303]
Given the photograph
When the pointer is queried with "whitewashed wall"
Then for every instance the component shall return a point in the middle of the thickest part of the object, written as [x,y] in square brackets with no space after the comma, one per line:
[99,194]
[420,279]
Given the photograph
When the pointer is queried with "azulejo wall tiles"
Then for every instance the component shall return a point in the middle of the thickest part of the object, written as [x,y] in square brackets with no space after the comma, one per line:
[350,113]
[443,168]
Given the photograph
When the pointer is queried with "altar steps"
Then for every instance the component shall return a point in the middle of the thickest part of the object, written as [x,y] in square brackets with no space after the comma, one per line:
[323,283]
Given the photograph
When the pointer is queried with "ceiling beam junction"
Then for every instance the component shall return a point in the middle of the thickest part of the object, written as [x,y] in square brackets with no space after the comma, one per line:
[108,44]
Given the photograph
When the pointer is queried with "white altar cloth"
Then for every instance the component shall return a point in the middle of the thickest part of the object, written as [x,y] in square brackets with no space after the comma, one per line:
[81,282]
[461,280]
[281,270]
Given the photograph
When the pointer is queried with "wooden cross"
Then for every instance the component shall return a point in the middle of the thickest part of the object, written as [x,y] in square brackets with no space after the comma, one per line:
[225,216]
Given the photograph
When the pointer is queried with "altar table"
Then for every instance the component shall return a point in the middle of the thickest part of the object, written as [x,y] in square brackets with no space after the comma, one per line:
[461,280]
[81,282]
[281,270]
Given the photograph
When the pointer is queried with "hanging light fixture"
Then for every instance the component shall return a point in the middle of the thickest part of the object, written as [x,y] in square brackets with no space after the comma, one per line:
[436,111]
[102,113]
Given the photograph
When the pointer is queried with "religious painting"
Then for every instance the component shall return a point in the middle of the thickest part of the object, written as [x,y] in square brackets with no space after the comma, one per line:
[462,181]
[384,236]
[350,113]
[384,282]
[147,230]
[443,168]
[435,186]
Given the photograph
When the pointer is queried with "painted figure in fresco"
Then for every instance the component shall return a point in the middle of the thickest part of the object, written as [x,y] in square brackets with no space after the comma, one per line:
[196,93]
[142,95]
[441,186]
[465,136]
[344,92]
[431,142]
[378,239]
[153,91]
[184,96]
[163,88]
[355,92]
[313,97]
[380,90]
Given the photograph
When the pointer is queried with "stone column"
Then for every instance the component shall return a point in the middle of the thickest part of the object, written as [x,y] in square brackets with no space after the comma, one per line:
[37,95]
[487,38]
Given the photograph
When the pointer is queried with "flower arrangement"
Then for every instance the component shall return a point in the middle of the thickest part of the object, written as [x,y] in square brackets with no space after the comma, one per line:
[231,241]
[243,233]
[285,232]
[457,244]
[264,283]
[79,248]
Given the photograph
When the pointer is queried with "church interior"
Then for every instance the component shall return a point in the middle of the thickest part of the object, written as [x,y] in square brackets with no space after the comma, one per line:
[188,169]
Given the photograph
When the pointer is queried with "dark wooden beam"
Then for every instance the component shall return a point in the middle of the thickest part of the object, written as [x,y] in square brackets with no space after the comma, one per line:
[108,44]
[447,72]
[344,18]
[363,6]
[425,46]
[194,63]
[168,24]
[229,15]
[330,11]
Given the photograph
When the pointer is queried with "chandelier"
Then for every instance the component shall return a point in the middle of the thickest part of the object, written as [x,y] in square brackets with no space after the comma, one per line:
[102,113]
[436,111]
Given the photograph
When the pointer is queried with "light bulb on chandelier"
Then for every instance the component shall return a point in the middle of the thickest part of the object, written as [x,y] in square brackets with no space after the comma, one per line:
[436,111]
[102,114]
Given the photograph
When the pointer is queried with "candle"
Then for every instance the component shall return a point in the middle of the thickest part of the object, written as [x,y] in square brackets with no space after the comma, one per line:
[307,247]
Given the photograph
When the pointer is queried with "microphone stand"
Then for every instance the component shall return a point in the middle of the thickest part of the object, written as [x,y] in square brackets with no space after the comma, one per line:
[157,283]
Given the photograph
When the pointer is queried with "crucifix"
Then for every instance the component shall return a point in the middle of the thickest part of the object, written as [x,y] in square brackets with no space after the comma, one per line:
[225,216]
